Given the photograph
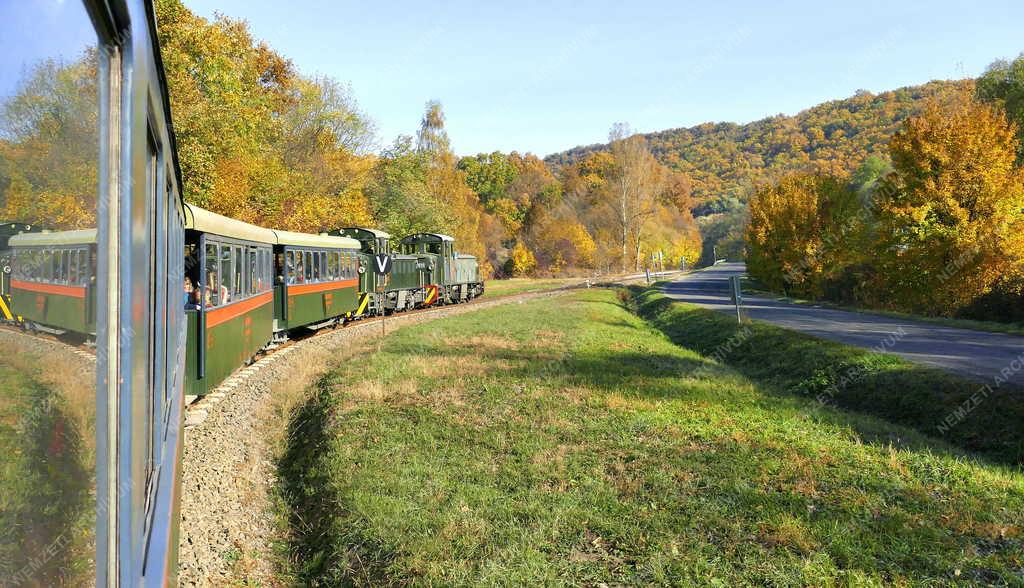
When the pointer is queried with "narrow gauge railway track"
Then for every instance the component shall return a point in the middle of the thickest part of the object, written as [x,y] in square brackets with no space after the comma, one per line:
[72,342]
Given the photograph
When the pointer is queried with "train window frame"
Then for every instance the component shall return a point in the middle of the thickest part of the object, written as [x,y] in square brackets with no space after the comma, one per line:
[268,268]
[73,267]
[214,289]
[237,272]
[225,274]
[251,270]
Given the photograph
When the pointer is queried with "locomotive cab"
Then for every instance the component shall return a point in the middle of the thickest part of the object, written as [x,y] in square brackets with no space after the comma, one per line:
[455,275]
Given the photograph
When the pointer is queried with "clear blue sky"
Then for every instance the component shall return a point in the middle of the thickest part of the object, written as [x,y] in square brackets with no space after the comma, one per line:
[545,76]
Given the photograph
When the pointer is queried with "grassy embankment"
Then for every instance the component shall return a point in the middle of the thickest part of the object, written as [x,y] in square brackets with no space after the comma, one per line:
[977,416]
[566,441]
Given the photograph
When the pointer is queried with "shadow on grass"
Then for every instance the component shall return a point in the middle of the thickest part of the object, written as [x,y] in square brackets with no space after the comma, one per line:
[960,412]
[322,553]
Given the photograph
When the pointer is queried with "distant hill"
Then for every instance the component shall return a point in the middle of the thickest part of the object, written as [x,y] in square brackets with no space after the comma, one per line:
[726,160]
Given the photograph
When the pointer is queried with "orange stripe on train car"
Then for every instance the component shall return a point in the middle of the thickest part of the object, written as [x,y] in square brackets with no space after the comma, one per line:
[72,291]
[217,316]
[296,289]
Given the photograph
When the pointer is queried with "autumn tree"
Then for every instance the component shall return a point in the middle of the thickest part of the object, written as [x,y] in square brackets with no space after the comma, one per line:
[400,199]
[522,262]
[797,237]
[48,145]
[257,140]
[447,187]
[950,221]
[1002,84]
[636,184]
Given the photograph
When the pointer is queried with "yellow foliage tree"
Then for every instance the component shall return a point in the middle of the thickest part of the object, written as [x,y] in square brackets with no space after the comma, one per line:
[522,261]
[950,220]
[797,232]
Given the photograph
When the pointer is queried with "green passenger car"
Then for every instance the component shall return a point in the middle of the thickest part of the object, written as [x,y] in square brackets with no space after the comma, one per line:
[316,280]
[52,284]
[228,296]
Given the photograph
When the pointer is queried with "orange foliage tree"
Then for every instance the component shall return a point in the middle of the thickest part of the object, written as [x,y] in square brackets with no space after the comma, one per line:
[950,221]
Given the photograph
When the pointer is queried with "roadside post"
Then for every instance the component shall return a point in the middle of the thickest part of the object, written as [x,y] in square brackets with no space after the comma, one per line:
[737,295]
[382,267]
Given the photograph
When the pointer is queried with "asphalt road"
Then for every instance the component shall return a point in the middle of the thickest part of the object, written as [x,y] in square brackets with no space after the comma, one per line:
[977,354]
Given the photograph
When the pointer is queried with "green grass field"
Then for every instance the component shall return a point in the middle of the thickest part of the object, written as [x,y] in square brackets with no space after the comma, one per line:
[567,441]
[495,288]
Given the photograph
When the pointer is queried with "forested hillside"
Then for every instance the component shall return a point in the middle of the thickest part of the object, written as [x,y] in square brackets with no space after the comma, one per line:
[727,161]
[933,226]
[262,141]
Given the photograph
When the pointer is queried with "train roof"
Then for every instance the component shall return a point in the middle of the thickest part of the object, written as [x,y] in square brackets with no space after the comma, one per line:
[309,240]
[427,238]
[357,232]
[200,219]
[53,238]
[9,227]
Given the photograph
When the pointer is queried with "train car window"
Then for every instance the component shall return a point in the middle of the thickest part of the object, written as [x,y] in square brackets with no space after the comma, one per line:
[83,267]
[252,263]
[57,262]
[226,274]
[50,137]
[144,352]
[266,270]
[238,273]
[307,257]
[73,268]
[321,265]
[211,291]
[262,270]
[65,266]
[270,269]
